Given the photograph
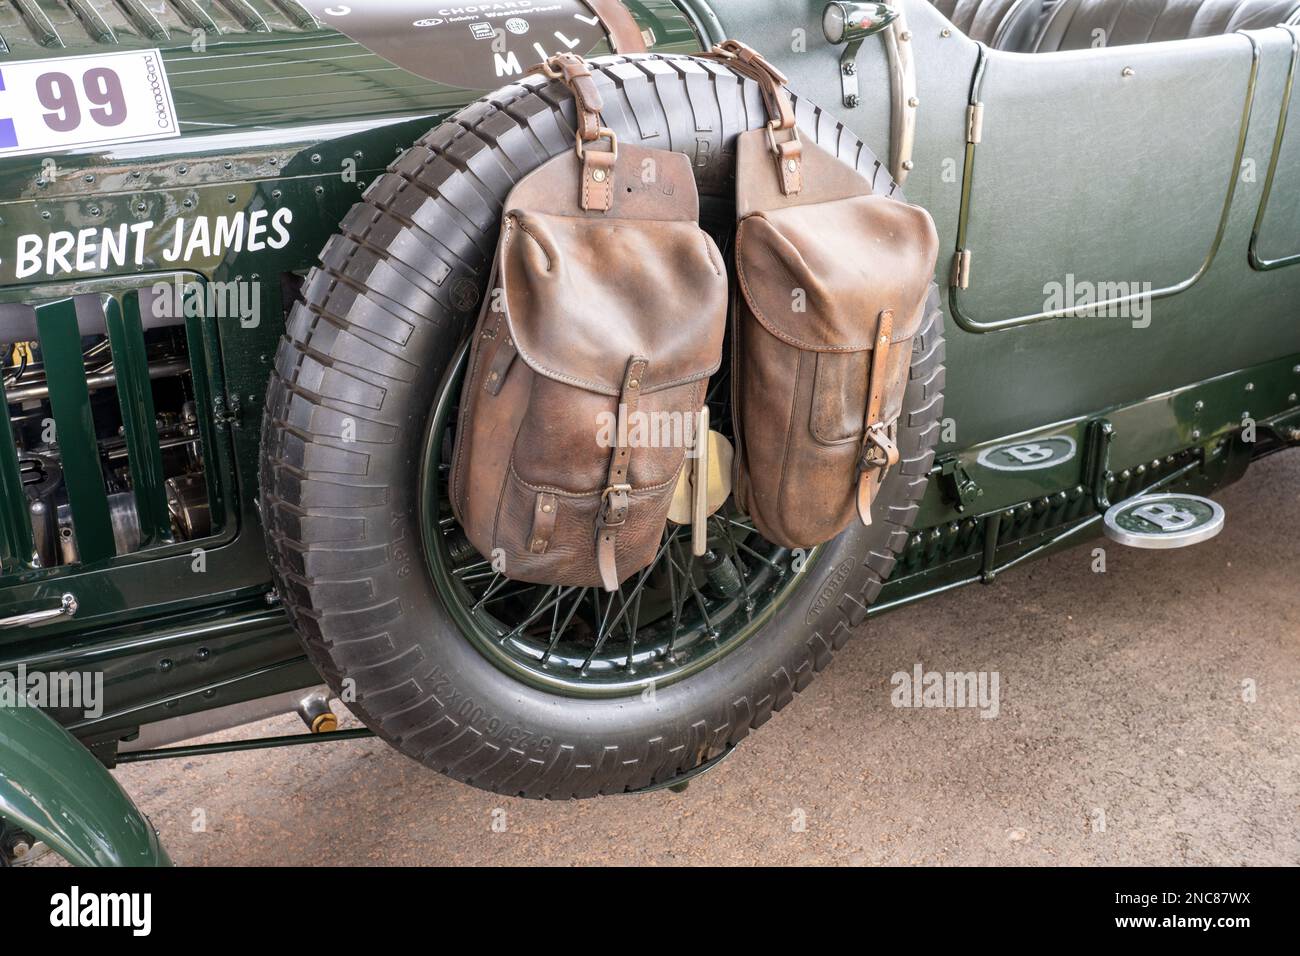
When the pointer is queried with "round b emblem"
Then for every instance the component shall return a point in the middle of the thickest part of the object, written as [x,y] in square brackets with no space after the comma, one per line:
[1164,521]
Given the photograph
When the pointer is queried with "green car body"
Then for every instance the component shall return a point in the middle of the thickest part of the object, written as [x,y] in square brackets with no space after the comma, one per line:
[1171,167]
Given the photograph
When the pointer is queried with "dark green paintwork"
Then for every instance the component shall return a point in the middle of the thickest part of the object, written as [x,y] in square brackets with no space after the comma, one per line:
[75,429]
[282,119]
[54,789]
[135,396]
[15,523]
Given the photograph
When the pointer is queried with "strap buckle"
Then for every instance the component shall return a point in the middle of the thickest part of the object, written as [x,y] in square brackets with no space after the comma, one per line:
[879,446]
[605,521]
[771,128]
[603,132]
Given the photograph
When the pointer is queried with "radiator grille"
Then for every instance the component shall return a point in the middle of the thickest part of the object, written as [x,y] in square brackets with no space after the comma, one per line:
[62,24]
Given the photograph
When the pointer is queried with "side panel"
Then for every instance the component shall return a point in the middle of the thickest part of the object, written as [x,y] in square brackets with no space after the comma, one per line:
[1062,137]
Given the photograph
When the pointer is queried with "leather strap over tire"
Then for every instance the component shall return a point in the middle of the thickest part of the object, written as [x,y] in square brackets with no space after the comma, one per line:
[782,134]
[624,35]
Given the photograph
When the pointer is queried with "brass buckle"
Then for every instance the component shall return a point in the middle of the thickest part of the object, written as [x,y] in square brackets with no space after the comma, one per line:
[603,132]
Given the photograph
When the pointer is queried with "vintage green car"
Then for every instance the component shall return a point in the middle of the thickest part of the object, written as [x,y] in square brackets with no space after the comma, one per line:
[243,242]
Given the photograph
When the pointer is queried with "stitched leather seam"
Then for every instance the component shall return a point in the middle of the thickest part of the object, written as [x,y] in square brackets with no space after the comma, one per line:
[543,369]
[766,323]
[772,327]
[550,489]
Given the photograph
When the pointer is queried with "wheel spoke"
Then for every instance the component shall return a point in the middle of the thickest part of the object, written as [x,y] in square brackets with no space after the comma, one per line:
[667,613]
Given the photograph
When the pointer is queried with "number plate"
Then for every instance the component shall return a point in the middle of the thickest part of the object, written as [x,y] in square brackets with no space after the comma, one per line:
[77,101]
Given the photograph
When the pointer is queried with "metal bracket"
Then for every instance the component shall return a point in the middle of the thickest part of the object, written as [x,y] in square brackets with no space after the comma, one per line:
[849,75]
[955,483]
[226,412]
[1096,460]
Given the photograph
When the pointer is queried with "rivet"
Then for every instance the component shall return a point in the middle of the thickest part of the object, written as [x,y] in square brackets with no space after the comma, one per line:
[492,376]
[905,35]
[913,101]
[1291,397]
[791,165]
[633,383]
[546,509]
[1127,71]
[1250,386]
[1198,406]
[598,175]
[945,33]
[908,164]
[1196,433]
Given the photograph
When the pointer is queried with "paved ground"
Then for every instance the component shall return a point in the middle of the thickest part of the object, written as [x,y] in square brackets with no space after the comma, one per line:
[1123,737]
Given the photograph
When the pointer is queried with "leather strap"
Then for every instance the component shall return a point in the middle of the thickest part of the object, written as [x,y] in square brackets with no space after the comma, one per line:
[879,451]
[597,190]
[615,500]
[624,35]
[573,71]
[502,359]
[545,509]
[782,133]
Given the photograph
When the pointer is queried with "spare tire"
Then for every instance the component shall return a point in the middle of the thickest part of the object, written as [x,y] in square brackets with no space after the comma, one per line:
[521,689]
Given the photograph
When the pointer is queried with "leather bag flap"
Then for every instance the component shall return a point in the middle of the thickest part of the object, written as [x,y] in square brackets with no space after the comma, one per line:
[584,293]
[817,276]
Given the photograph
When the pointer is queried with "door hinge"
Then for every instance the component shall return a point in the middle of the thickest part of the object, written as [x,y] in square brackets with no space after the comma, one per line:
[226,411]
[956,485]
[974,122]
[961,269]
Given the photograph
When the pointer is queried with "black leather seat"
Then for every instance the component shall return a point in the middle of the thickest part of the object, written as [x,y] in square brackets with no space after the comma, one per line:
[1002,24]
[1073,24]
[1038,26]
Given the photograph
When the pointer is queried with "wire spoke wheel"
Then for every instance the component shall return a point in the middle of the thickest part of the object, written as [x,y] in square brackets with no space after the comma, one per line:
[664,623]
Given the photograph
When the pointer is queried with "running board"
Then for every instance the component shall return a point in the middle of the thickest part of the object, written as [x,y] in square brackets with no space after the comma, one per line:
[1163,520]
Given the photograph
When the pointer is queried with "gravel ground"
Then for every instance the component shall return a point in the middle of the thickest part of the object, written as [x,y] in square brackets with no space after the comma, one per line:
[1123,736]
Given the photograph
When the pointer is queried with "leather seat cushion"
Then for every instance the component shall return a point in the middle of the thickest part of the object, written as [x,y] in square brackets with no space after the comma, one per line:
[1073,24]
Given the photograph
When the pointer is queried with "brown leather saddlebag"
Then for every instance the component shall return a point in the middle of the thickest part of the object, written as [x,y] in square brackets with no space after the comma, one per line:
[603,321]
[832,285]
